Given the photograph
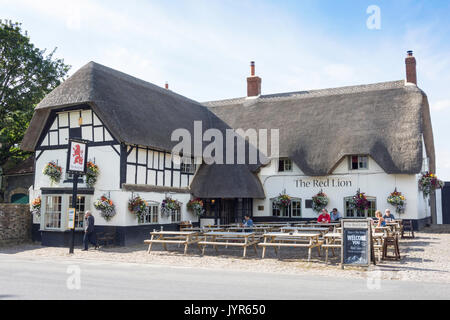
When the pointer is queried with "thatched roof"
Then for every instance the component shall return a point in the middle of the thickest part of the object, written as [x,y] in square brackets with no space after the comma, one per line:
[138,113]
[319,128]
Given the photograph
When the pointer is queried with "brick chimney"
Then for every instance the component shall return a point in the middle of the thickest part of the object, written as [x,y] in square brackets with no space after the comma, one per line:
[411,73]
[166,85]
[253,82]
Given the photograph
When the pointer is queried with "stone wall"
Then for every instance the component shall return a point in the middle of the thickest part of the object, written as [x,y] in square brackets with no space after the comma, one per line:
[15,223]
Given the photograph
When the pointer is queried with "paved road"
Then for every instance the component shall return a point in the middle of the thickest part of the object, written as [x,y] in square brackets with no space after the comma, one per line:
[37,278]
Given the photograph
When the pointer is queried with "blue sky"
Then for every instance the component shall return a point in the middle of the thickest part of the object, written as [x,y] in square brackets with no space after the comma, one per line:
[203,48]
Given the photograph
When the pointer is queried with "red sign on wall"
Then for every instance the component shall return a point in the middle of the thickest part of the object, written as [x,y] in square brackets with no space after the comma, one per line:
[76,156]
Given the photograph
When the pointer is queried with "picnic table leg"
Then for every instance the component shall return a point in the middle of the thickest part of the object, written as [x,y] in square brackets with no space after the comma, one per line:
[204,246]
[186,244]
[215,246]
[150,245]
[264,248]
[318,245]
[254,245]
[245,246]
[309,250]
[164,244]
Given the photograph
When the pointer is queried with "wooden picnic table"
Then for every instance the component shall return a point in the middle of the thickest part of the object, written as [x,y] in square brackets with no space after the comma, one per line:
[238,239]
[172,237]
[333,241]
[305,229]
[309,240]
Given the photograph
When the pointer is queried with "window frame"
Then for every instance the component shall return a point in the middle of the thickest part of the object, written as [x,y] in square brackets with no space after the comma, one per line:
[47,212]
[368,213]
[289,210]
[361,159]
[282,165]
[151,206]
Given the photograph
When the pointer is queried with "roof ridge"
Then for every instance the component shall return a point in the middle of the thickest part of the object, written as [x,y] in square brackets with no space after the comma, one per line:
[127,77]
[312,93]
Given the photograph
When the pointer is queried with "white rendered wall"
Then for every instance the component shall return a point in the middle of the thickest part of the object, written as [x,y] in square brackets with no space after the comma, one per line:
[374,182]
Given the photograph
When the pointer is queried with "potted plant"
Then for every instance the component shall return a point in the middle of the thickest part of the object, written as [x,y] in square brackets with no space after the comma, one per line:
[36,207]
[397,200]
[359,202]
[53,171]
[320,201]
[106,207]
[138,207]
[169,206]
[429,182]
[92,172]
[196,206]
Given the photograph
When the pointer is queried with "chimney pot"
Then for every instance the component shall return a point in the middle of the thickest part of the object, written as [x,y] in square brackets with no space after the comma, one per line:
[253,82]
[411,71]
[167,86]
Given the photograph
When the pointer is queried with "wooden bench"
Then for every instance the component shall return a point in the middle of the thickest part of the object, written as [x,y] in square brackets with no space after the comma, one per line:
[109,235]
[172,237]
[243,239]
[332,241]
[290,240]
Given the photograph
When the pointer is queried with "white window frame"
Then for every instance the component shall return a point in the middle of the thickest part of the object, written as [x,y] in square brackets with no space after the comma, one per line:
[368,213]
[46,213]
[150,214]
[65,205]
[362,160]
[187,166]
[288,212]
[79,216]
[176,214]
[286,163]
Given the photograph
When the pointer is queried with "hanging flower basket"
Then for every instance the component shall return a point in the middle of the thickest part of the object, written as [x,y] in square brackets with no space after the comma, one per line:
[53,171]
[106,208]
[282,201]
[428,182]
[138,207]
[92,172]
[196,206]
[398,201]
[320,201]
[36,207]
[359,202]
[169,206]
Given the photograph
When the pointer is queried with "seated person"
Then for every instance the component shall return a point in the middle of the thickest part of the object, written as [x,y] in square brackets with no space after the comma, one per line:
[335,215]
[388,216]
[381,222]
[324,217]
[247,222]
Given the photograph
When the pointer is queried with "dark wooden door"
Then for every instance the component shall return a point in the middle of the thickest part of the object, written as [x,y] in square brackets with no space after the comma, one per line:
[446,203]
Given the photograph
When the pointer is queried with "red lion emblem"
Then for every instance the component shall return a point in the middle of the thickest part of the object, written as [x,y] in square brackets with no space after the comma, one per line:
[77,154]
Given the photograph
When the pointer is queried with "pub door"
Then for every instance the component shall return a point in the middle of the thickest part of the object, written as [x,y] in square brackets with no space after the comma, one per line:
[227,212]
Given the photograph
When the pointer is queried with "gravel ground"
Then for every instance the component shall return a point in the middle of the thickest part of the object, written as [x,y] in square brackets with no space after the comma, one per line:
[425,258]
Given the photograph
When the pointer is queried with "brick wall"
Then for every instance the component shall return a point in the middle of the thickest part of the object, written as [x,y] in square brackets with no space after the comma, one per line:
[15,223]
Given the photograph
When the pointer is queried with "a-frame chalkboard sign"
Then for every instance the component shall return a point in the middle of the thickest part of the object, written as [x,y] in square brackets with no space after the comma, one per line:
[357,249]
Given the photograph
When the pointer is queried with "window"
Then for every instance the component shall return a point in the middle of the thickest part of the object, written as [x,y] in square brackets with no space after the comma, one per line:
[53,212]
[80,209]
[176,216]
[293,211]
[151,215]
[296,210]
[352,213]
[187,167]
[358,162]
[284,165]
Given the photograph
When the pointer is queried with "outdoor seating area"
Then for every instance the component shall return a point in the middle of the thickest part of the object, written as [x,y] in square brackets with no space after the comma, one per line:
[311,236]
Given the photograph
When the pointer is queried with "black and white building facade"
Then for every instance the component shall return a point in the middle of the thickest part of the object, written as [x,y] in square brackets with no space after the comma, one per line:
[373,138]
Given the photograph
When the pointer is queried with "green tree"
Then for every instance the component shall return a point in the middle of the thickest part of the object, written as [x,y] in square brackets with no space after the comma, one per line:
[27,74]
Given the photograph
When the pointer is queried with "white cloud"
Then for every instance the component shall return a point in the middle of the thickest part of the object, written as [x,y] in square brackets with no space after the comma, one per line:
[441,105]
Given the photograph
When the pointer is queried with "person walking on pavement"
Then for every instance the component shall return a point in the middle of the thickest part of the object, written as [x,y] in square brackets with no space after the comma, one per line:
[89,233]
